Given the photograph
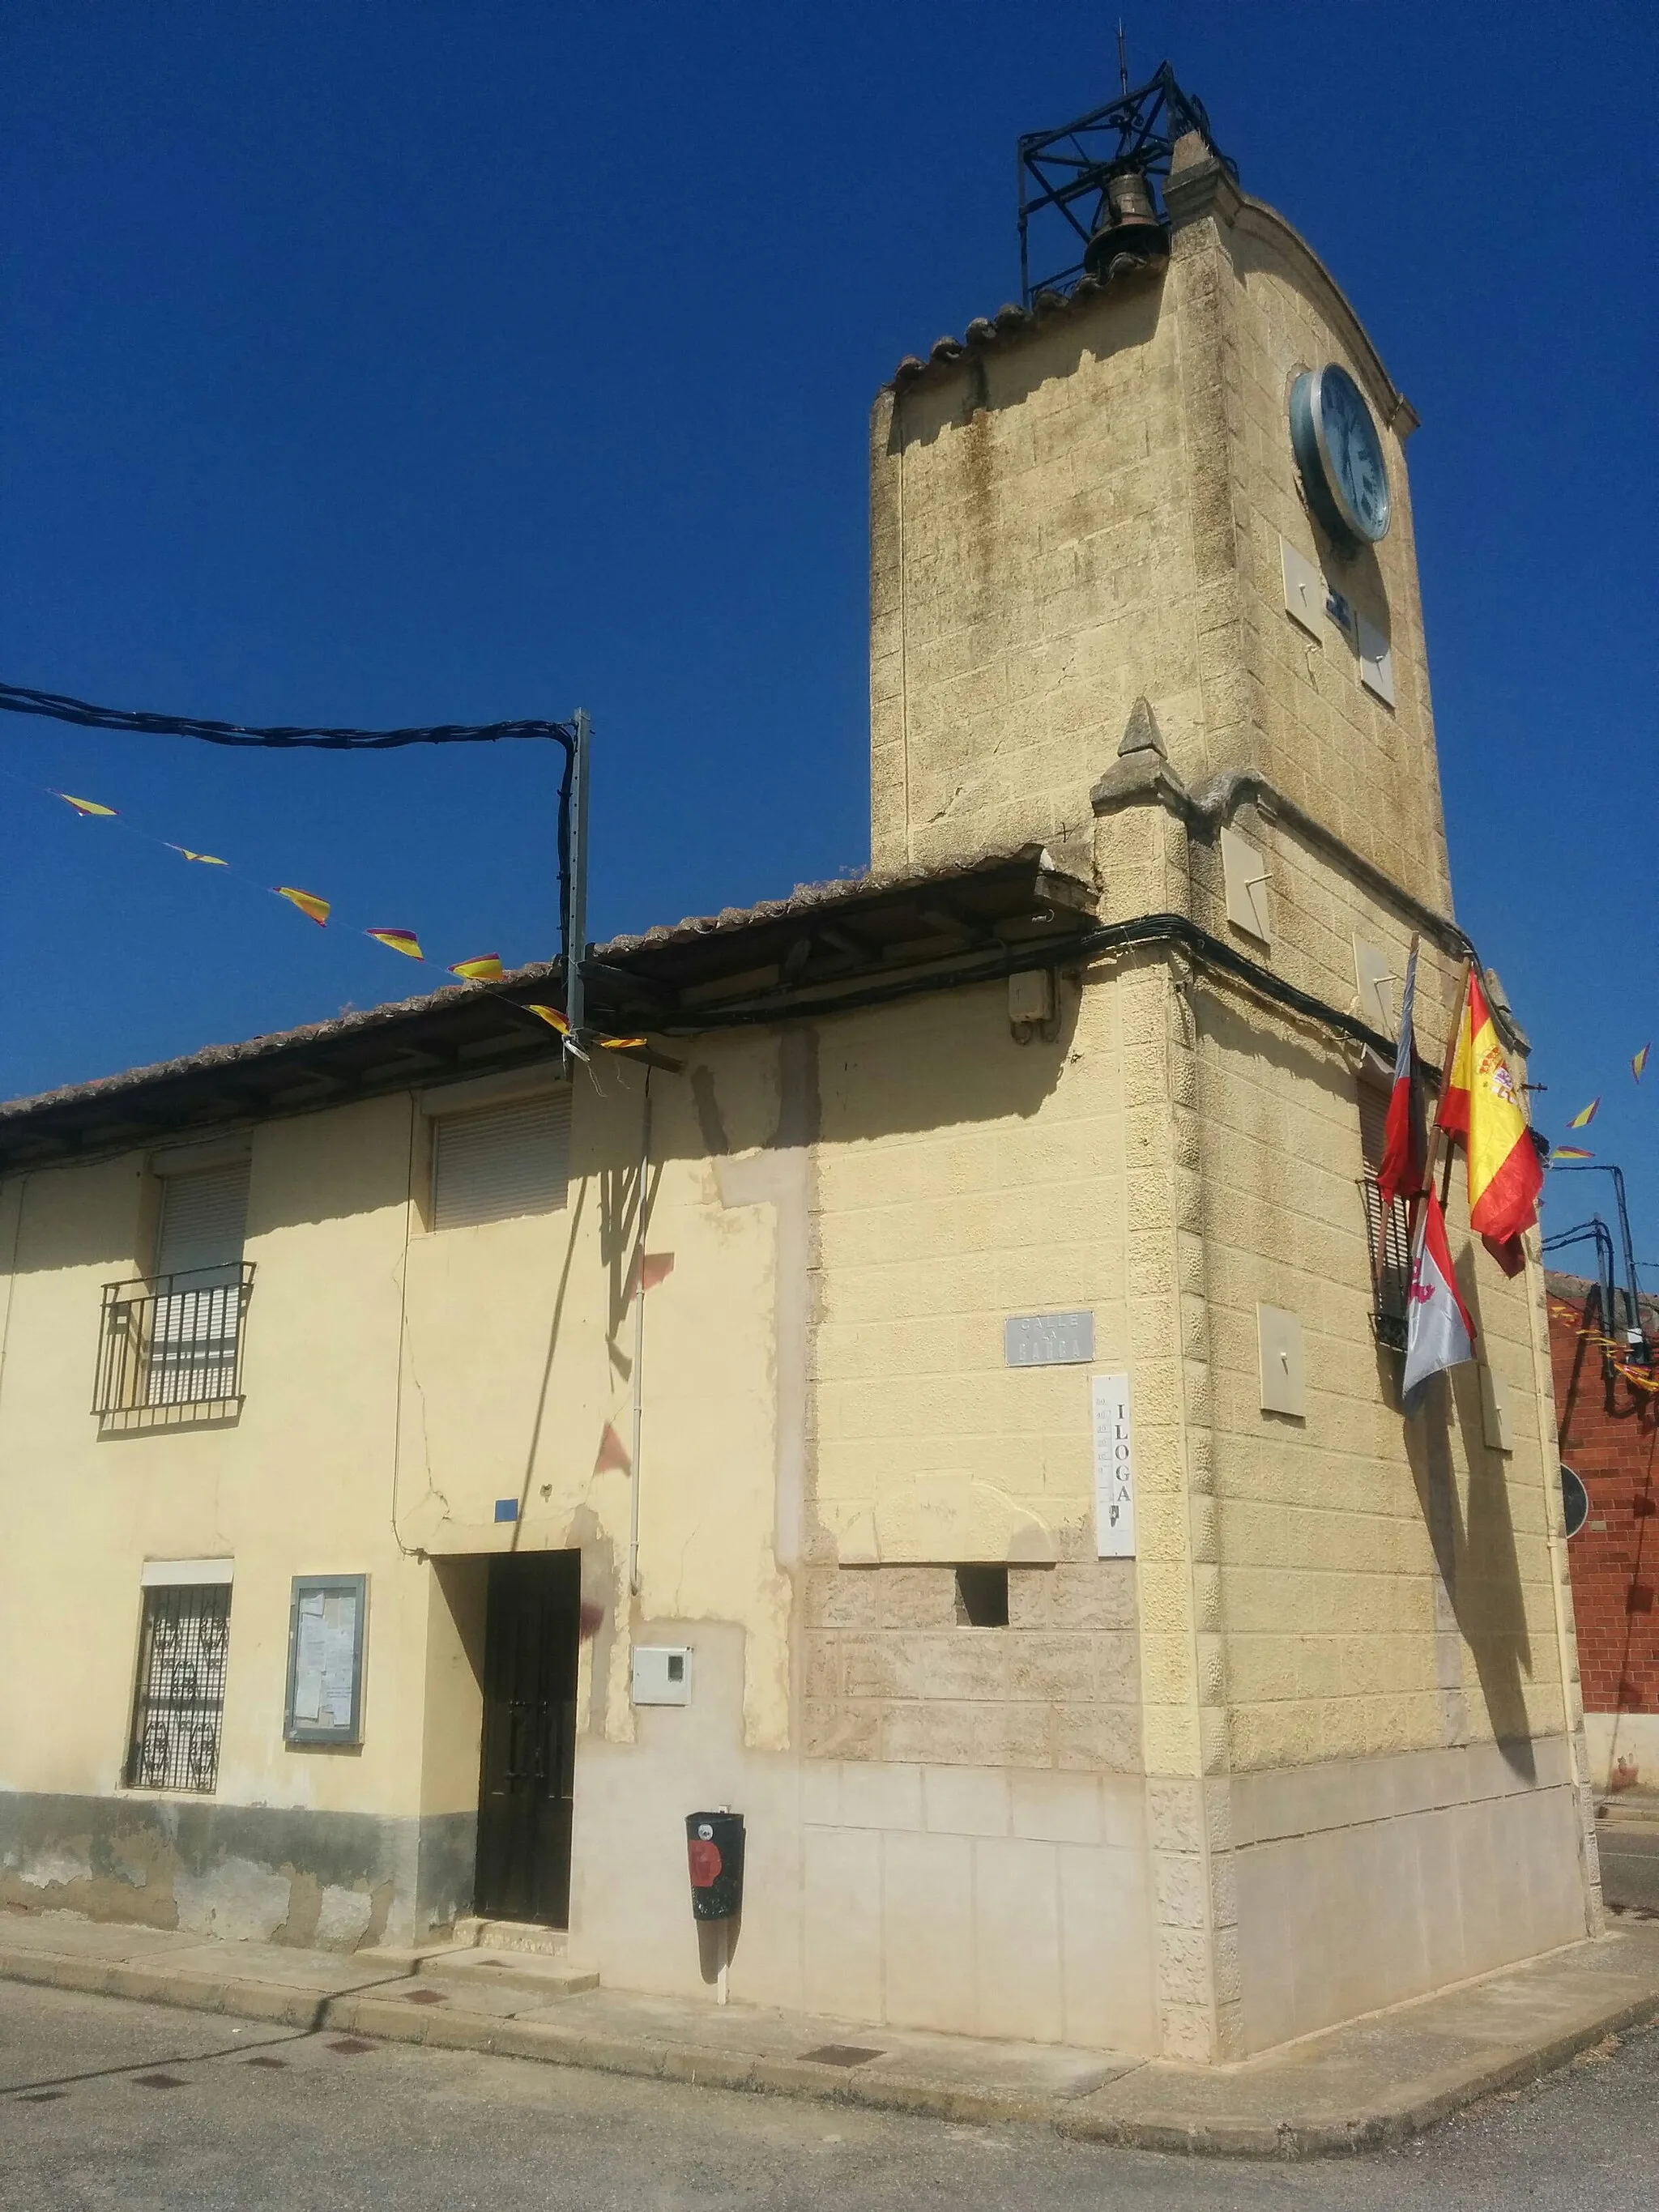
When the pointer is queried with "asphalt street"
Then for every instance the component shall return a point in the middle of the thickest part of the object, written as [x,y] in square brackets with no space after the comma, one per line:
[106,2103]
[1629,1863]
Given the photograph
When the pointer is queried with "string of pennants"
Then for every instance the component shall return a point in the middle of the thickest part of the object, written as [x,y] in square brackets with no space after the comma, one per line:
[482,968]
[1616,1353]
[1586,1114]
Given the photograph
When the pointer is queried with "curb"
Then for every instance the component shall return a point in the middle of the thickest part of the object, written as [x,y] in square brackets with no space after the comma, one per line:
[367,2011]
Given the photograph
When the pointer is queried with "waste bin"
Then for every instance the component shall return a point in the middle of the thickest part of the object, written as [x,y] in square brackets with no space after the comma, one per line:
[713,1850]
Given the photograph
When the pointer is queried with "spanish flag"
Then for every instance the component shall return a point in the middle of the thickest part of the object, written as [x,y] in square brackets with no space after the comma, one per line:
[1481,1103]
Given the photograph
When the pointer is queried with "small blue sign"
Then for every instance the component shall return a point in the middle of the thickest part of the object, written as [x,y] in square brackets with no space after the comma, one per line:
[507,1509]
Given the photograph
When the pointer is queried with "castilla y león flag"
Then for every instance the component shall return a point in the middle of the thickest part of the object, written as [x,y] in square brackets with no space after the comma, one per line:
[1438,1331]
[1400,1173]
[1481,1103]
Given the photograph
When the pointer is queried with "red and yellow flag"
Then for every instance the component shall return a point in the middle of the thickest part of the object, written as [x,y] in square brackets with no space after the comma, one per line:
[308,902]
[550,1015]
[83,805]
[1481,1103]
[486,968]
[400,941]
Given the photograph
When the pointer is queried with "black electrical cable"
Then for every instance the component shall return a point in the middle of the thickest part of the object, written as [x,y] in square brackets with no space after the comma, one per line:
[1175,930]
[16,699]
[54,705]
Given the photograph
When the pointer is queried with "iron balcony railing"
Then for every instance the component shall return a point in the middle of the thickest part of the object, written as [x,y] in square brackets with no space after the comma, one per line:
[1389,1233]
[173,1340]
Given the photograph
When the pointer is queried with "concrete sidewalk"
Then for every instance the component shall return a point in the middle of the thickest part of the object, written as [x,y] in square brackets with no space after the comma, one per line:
[1347,2090]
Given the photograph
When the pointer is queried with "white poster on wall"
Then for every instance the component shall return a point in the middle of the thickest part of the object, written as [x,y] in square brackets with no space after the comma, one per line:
[1114,1468]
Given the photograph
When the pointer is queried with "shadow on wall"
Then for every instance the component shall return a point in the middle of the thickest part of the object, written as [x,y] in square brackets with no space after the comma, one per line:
[1474,1550]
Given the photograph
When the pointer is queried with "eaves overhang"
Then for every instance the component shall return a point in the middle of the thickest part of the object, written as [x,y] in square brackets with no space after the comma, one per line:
[848,943]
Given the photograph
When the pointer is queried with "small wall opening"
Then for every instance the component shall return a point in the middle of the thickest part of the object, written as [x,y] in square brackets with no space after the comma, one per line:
[982,1597]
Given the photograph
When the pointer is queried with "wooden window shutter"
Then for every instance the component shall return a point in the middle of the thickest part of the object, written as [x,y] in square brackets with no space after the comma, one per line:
[504,1161]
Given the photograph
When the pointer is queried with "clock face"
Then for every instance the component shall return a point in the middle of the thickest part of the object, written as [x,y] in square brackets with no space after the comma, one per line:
[1341,455]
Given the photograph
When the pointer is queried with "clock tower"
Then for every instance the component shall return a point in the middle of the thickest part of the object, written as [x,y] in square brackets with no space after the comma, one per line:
[1145,594]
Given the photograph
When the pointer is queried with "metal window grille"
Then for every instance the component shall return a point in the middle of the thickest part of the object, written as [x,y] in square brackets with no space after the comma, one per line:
[180,1698]
[1388,1229]
[172,1341]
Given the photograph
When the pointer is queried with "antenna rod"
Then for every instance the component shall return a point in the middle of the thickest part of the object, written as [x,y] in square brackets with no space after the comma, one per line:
[1122,58]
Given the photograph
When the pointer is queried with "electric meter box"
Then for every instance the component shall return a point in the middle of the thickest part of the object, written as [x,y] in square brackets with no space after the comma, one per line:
[662,1674]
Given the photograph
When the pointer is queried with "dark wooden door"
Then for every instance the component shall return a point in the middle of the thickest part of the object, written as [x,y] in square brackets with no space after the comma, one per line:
[529,1737]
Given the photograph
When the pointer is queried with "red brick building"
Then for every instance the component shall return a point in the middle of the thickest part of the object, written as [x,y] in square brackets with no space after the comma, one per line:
[1608,1424]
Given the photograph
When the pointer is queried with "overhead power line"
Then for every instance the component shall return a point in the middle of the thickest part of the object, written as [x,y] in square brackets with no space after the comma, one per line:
[573,736]
[17,699]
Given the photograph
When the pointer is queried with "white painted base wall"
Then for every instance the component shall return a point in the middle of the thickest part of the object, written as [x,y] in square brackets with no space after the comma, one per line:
[976,1901]
[1626,1740]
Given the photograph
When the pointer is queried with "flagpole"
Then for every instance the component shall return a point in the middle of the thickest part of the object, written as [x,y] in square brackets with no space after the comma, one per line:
[1407,1011]
[1462,1001]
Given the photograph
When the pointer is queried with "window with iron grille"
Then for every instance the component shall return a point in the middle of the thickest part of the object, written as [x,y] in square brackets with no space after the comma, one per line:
[178,1703]
[1388,1229]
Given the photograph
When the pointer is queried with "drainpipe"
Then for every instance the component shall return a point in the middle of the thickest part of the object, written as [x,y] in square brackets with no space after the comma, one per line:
[639,1340]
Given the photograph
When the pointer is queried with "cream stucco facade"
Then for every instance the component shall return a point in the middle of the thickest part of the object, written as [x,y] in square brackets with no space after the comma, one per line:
[1317,1746]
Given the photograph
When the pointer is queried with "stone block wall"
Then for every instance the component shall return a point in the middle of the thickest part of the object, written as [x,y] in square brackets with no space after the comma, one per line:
[1031,572]
[959,1178]
[891,1673]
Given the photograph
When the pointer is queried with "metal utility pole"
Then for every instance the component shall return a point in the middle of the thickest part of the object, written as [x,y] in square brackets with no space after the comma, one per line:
[575,888]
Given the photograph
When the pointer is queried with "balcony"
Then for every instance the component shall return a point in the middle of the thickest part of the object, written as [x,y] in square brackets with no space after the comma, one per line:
[170,1348]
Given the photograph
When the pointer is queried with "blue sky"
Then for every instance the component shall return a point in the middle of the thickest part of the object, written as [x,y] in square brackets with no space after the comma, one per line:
[453,359]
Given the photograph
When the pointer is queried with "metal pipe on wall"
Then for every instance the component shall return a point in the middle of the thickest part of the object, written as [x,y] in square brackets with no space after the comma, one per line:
[638,1391]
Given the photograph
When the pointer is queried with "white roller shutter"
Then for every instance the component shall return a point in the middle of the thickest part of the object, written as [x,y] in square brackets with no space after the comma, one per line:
[192,1347]
[204,1219]
[506,1160]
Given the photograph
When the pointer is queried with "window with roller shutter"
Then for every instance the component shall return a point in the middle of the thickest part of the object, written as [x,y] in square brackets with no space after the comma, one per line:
[172,1341]
[501,1160]
[199,1283]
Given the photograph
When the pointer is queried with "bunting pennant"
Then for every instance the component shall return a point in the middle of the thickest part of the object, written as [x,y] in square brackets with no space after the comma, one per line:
[84,805]
[550,1015]
[319,909]
[400,940]
[620,1044]
[1569,1153]
[1640,1061]
[1586,1114]
[208,859]
[486,968]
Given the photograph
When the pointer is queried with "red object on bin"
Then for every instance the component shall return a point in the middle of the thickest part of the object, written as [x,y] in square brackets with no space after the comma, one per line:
[706,1862]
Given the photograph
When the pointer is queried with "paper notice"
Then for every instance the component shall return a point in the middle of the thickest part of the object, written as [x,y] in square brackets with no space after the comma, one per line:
[339,1652]
[308,1658]
[325,1659]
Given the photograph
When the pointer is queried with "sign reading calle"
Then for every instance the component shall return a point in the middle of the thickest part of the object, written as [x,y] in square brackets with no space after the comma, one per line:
[1053,1340]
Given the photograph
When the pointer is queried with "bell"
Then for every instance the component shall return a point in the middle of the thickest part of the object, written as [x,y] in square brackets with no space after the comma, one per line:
[1128,224]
